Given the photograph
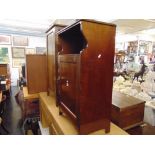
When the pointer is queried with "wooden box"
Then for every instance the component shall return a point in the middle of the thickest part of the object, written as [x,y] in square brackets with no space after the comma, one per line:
[127,111]
[36,73]
[52,53]
[85,74]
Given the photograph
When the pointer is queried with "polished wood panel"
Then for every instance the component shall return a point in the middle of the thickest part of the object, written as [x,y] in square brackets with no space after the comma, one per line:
[85,73]
[62,125]
[52,53]
[4,69]
[127,111]
[36,73]
[69,72]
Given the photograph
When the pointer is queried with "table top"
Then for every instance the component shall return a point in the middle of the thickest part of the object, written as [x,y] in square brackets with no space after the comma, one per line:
[64,123]
[29,96]
[122,100]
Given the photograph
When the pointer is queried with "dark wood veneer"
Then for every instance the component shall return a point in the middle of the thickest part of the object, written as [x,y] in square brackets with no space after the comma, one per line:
[53,47]
[127,111]
[85,73]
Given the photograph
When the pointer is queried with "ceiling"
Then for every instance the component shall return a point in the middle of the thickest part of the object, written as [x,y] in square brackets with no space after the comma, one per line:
[34,27]
[131,26]
[38,27]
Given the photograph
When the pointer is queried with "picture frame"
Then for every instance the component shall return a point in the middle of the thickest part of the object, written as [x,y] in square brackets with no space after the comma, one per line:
[18,52]
[30,51]
[5,39]
[41,50]
[4,56]
[17,63]
[20,41]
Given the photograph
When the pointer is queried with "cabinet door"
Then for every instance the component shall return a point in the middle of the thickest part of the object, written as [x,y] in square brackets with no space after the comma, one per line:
[68,82]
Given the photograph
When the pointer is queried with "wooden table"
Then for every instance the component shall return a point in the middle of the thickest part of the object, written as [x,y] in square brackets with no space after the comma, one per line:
[127,111]
[61,124]
[29,96]
[26,101]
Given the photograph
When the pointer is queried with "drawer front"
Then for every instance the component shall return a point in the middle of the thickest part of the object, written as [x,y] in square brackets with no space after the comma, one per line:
[115,114]
[129,117]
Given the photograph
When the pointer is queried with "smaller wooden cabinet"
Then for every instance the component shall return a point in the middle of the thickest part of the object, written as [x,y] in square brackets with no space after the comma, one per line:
[127,111]
[85,74]
[36,73]
[4,69]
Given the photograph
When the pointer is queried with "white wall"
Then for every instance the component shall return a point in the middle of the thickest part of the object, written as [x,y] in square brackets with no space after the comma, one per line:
[33,42]
[37,42]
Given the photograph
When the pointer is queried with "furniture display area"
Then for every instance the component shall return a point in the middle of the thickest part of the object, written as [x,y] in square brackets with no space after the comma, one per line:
[62,124]
[53,48]
[36,73]
[85,74]
[127,111]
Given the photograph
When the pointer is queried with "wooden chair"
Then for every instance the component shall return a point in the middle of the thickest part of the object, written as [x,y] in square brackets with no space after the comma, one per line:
[2,105]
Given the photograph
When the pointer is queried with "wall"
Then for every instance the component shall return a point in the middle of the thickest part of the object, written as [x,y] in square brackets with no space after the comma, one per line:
[33,42]
[65,21]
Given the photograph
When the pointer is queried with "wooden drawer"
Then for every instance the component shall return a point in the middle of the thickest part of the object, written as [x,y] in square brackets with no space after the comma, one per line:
[127,111]
[131,117]
[128,117]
